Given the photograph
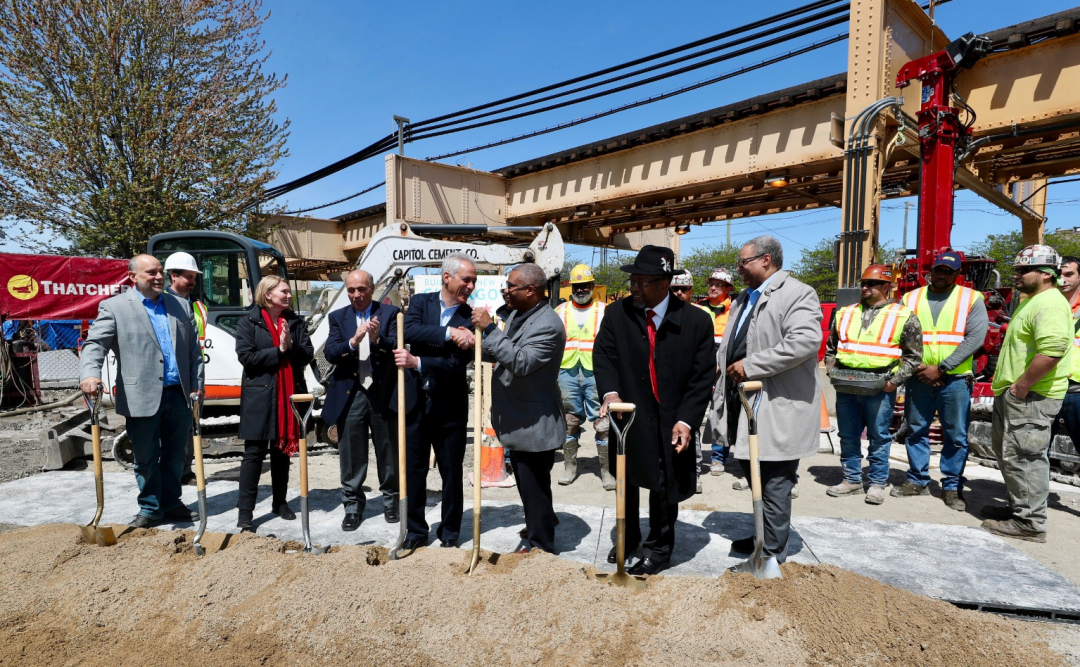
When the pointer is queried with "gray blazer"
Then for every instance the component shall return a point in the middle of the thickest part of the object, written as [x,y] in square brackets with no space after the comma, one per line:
[526,405]
[123,328]
[781,351]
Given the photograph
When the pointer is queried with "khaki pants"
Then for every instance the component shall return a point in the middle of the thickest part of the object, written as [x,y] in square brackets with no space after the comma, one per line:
[1021,440]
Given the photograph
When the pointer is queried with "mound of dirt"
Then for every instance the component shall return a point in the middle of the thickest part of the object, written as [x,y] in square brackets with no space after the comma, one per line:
[150,600]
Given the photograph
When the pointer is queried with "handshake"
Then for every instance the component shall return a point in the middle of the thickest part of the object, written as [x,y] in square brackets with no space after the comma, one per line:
[459,336]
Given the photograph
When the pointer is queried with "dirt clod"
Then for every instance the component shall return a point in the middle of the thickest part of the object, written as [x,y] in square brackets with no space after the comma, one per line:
[150,600]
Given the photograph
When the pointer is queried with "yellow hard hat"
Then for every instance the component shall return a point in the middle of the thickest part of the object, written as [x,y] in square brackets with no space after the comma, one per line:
[581,274]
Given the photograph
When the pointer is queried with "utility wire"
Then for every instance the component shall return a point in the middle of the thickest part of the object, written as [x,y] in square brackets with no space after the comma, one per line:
[649,100]
[343,199]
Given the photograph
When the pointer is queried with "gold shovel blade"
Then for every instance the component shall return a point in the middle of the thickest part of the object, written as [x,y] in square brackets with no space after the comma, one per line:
[103,536]
[632,581]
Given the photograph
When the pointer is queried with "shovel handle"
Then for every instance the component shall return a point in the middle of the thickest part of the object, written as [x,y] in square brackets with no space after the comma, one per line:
[478,425]
[402,488]
[621,407]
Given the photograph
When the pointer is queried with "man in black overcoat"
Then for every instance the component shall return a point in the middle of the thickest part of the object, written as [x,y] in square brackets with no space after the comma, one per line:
[438,330]
[671,394]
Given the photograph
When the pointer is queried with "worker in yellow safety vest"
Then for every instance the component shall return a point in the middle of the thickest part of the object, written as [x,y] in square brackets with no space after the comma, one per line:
[183,277]
[954,323]
[874,347]
[1070,406]
[581,315]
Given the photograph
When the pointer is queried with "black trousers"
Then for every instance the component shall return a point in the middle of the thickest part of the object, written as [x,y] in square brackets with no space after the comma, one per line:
[422,434]
[777,478]
[662,516]
[251,470]
[533,473]
[353,426]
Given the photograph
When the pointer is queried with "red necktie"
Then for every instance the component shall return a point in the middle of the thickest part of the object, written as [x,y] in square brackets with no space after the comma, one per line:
[651,326]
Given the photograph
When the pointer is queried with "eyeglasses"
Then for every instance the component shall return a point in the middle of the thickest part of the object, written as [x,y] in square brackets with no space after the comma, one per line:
[873,283]
[681,289]
[744,261]
[943,270]
[510,287]
[638,285]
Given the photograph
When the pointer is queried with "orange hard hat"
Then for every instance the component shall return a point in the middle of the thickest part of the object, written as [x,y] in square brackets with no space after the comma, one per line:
[878,272]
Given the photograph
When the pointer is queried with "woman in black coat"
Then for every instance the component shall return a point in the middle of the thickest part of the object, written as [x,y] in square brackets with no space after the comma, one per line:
[266,420]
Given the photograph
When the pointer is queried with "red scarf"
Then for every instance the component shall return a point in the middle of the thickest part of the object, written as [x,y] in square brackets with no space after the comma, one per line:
[288,431]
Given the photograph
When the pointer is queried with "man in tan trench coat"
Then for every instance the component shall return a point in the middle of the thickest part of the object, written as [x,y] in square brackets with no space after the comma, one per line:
[773,335]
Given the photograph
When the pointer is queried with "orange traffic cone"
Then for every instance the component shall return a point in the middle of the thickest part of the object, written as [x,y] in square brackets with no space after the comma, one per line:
[826,425]
[493,463]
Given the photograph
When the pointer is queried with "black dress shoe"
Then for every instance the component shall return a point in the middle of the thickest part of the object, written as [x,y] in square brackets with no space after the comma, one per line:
[351,521]
[284,512]
[189,479]
[448,544]
[646,566]
[181,514]
[243,522]
[612,555]
[743,546]
[142,521]
[391,514]
[412,543]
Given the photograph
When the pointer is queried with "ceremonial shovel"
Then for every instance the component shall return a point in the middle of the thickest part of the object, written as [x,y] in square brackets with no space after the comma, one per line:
[403,489]
[620,577]
[478,438]
[310,400]
[760,566]
[200,476]
[103,536]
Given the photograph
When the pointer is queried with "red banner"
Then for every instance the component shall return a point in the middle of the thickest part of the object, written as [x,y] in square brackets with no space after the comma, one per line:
[50,287]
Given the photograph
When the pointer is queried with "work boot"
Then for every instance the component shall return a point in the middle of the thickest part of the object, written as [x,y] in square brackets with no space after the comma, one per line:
[909,489]
[716,468]
[996,512]
[741,484]
[570,450]
[698,485]
[605,472]
[1014,529]
[844,488]
[794,492]
[875,495]
[954,500]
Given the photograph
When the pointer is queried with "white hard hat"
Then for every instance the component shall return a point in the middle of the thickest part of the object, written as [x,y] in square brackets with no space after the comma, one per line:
[684,279]
[721,274]
[181,261]
[1037,255]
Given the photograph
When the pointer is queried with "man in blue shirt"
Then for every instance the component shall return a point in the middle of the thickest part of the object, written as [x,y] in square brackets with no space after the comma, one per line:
[158,366]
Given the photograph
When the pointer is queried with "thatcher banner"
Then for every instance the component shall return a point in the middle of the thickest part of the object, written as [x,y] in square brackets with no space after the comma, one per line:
[50,287]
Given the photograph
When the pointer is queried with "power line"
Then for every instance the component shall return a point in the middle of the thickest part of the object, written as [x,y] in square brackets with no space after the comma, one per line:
[343,199]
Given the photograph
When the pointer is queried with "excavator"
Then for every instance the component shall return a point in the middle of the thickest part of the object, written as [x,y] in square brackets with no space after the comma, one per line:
[232,265]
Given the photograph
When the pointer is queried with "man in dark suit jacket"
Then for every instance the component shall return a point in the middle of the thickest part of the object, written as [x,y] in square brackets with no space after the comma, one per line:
[362,395]
[438,331]
[656,352]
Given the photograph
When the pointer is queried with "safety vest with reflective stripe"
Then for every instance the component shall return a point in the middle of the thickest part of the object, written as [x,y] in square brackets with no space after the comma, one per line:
[875,347]
[580,339]
[941,338]
[720,321]
[200,318]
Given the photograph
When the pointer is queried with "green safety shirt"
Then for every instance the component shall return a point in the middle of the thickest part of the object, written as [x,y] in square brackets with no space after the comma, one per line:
[1042,324]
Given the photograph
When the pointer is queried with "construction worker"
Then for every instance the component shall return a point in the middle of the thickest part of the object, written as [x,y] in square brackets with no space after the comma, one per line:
[1029,384]
[718,305]
[581,316]
[1070,406]
[954,324]
[682,288]
[183,275]
[873,348]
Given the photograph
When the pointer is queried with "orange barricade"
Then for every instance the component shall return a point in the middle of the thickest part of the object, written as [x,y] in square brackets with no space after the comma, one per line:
[493,462]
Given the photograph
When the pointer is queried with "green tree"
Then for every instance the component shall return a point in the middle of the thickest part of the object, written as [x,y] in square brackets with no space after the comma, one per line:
[1002,247]
[120,119]
[701,261]
[815,268]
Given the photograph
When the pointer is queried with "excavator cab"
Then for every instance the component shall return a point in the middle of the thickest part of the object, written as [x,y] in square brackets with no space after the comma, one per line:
[231,266]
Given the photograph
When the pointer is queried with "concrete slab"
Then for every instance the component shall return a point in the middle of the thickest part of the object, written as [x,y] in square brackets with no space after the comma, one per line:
[954,563]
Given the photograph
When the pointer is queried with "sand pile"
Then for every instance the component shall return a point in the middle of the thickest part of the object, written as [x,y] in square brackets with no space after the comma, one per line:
[150,600]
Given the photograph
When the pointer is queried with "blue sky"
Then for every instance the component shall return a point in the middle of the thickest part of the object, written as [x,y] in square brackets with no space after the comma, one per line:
[352,65]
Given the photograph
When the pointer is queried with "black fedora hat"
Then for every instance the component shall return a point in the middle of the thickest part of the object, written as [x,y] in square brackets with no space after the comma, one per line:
[654,260]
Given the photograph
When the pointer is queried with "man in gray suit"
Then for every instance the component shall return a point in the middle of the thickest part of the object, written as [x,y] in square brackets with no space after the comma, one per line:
[526,405]
[158,365]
